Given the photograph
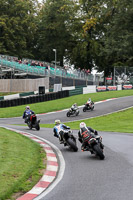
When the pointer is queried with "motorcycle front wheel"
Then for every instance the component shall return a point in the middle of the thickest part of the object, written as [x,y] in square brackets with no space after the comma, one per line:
[68,114]
[84,109]
[29,125]
[77,113]
[37,127]
[99,152]
[72,144]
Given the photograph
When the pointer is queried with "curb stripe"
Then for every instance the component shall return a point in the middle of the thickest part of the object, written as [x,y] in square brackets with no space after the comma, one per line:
[50,172]
[28,197]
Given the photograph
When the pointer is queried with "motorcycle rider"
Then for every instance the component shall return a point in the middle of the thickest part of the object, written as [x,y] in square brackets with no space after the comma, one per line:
[89,102]
[57,130]
[27,113]
[85,134]
[74,107]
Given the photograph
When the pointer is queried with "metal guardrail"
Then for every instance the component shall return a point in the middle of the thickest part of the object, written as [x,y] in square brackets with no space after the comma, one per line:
[11,62]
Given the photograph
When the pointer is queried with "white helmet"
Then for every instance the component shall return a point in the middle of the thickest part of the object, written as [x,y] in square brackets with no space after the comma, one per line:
[27,107]
[82,125]
[57,121]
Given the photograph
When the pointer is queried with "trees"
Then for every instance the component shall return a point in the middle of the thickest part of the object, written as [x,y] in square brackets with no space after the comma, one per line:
[118,35]
[94,33]
[53,32]
[17,26]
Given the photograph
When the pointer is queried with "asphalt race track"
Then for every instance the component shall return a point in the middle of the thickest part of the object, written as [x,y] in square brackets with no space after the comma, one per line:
[85,176]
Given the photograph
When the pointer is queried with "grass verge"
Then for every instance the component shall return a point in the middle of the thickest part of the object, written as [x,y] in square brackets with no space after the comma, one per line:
[116,122]
[22,163]
[60,104]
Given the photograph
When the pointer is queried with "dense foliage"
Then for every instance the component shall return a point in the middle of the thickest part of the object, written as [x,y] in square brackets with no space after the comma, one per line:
[88,33]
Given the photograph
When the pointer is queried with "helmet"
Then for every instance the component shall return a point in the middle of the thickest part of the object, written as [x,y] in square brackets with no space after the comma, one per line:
[75,104]
[82,125]
[27,107]
[89,99]
[57,121]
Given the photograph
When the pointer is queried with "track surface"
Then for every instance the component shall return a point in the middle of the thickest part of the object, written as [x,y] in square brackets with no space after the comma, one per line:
[85,176]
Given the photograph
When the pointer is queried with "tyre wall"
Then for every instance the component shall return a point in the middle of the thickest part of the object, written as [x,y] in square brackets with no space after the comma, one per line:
[34,99]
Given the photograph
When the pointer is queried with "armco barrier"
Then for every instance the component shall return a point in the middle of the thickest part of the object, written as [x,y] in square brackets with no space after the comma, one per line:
[34,99]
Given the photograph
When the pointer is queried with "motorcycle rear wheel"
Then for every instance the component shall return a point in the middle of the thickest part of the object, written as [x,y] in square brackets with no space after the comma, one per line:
[72,144]
[99,152]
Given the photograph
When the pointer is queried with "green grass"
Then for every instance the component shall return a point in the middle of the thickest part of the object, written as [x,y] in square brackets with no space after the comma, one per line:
[60,104]
[117,122]
[21,163]
[7,93]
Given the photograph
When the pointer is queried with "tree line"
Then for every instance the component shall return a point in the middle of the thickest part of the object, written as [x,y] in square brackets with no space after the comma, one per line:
[89,33]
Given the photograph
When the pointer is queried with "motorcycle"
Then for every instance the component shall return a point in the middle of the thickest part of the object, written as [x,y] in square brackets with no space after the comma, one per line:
[32,122]
[67,138]
[96,147]
[88,106]
[72,112]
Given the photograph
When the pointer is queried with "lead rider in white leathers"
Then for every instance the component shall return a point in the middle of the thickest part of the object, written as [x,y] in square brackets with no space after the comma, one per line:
[74,107]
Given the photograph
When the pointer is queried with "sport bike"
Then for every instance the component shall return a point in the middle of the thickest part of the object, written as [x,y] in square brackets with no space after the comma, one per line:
[32,122]
[67,138]
[88,106]
[72,112]
[96,147]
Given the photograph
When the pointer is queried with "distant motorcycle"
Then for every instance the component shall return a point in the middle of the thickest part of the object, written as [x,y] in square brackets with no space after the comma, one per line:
[68,139]
[96,147]
[72,112]
[32,122]
[88,106]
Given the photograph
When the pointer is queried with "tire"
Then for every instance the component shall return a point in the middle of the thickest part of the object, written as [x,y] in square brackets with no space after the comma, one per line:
[77,113]
[68,114]
[84,109]
[29,125]
[92,108]
[99,152]
[37,127]
[72,144]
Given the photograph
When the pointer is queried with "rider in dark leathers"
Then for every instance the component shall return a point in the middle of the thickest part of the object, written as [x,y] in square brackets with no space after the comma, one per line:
[85,134]
[27,113]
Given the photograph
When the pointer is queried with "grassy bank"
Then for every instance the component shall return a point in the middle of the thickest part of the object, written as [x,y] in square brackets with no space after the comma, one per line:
[21,164]
[116,122]
[60,104]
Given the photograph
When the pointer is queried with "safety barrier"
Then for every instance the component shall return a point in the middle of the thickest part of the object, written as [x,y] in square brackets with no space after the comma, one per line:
[76,91]
[34,99]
